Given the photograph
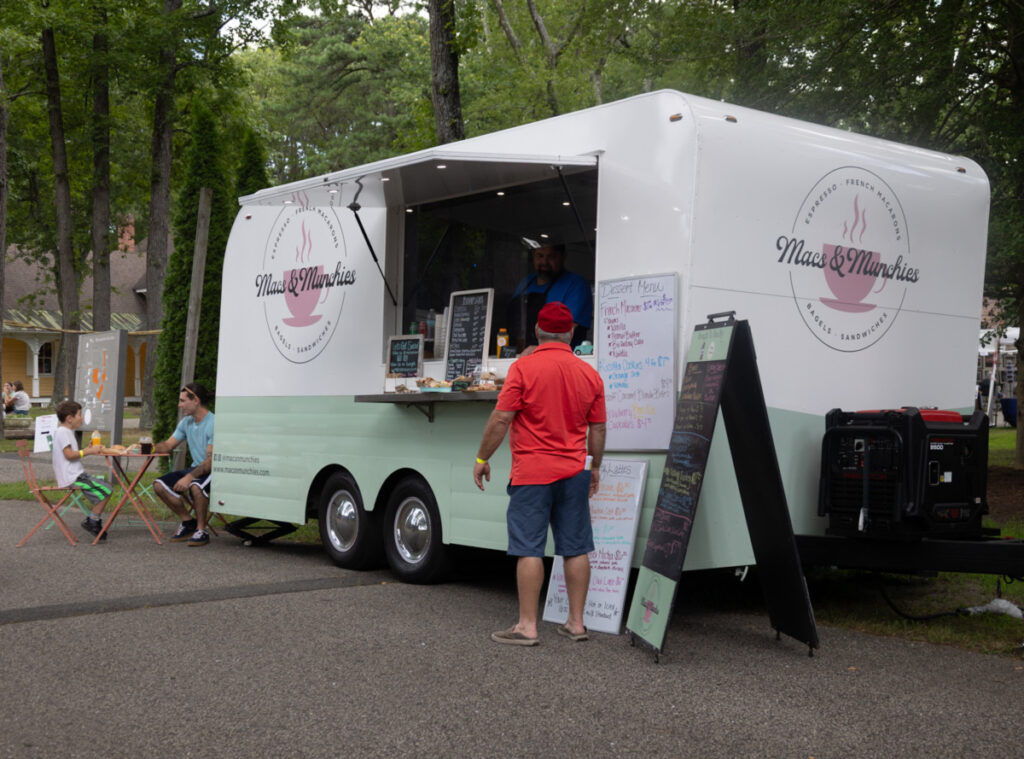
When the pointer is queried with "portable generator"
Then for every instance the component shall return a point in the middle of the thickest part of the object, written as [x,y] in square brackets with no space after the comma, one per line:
[905,473]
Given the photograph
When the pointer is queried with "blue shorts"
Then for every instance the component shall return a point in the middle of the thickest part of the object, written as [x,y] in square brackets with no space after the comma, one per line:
[171,478]
[564,504]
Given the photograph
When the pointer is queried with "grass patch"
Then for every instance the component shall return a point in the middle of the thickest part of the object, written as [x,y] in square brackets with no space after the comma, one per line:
[856,600]
[1002,446]
[16,491]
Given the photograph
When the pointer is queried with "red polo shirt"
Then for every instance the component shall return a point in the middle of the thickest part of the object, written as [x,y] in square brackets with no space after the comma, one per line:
[555,396]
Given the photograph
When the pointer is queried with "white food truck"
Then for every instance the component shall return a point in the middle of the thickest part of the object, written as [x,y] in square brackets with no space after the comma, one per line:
[858,263]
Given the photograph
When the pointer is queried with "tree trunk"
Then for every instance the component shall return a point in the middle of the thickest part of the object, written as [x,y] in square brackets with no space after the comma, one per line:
[3,193]
[444,68]
[159,213]
[64,271]
[100,177]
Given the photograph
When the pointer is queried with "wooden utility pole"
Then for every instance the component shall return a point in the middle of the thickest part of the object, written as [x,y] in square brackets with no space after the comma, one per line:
[195,293]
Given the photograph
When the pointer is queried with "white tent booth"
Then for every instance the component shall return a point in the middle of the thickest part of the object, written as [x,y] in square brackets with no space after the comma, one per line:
[997,360]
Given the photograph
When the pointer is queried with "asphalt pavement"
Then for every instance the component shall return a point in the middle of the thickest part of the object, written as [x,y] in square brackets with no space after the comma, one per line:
[133,649]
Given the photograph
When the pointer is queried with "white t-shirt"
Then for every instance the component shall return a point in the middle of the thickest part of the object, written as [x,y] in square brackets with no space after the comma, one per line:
[64,470]
[21,401]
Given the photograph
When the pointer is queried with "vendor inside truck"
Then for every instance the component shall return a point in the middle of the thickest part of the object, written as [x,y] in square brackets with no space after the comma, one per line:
[535,239]
[550,282]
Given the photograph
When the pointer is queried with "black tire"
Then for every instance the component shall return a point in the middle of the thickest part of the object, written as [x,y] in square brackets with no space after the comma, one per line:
[349,534]
[412,534]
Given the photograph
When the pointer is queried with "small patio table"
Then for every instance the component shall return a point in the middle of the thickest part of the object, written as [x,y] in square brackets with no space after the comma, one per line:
[128,490]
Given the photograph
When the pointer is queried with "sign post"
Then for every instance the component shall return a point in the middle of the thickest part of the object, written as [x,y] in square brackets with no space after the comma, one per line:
[721,370]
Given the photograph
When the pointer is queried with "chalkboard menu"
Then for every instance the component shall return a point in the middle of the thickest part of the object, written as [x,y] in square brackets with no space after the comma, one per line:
[636,358]
[469,324]
[721,370]
[405,356]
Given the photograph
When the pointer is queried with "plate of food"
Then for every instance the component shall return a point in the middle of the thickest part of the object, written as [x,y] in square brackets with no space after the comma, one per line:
[431,385]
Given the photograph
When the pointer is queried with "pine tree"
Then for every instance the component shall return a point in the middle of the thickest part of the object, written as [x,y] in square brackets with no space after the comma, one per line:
[205,169]
[252,167]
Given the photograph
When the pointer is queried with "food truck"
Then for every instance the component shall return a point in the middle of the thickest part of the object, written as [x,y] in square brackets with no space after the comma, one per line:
[857,262]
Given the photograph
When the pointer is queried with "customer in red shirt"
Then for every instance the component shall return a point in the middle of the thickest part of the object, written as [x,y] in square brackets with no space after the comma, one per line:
[551,401]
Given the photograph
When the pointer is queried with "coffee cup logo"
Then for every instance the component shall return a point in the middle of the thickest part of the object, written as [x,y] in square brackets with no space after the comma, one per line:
[848,258]
[303,280]
[849,278]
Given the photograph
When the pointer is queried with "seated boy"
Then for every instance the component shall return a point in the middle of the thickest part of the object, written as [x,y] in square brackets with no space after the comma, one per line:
[68,469]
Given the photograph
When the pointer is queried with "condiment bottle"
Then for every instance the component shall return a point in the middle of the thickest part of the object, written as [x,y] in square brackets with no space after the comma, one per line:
[502,340]
[96,439]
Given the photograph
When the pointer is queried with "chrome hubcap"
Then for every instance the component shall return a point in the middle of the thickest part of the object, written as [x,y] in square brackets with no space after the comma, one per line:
[412,530]
[342,521]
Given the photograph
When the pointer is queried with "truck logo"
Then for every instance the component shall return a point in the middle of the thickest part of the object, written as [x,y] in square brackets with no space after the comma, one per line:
[848,259]
[304,278]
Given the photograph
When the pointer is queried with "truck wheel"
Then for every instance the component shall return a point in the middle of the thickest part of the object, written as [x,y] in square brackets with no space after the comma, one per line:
[347,531]
[412,534]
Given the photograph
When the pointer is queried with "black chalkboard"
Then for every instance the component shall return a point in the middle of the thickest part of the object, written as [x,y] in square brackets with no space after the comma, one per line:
[685,463]
[721,370]
[469,324]
[405,356]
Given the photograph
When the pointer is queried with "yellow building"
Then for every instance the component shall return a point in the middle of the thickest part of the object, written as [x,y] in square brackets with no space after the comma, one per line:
[31,324]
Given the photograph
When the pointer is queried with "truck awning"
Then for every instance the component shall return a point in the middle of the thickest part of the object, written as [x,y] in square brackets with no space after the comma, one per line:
[424,177]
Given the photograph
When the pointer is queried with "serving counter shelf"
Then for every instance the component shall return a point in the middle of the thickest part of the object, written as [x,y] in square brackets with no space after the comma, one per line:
[424,402]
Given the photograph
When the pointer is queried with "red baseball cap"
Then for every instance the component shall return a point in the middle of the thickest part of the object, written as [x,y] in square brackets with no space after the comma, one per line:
[555,318]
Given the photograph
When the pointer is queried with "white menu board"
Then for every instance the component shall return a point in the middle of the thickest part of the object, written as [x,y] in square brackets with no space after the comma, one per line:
[614,515]
[636,357]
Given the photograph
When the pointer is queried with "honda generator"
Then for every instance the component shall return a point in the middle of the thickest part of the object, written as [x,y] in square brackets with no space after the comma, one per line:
[907,473]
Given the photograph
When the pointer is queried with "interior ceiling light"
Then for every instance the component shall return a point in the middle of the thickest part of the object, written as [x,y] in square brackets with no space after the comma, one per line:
[565,202]
[442,166]
[501,193]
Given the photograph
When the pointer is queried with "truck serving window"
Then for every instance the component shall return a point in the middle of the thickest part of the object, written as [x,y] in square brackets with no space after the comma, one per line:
[485,239]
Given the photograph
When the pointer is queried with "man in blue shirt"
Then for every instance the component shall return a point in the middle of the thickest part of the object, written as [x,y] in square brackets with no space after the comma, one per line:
[549,283]
[192,485]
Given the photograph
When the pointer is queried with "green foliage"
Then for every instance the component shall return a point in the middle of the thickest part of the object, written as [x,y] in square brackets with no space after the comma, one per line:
[205,169]
[252,168]
[341,89]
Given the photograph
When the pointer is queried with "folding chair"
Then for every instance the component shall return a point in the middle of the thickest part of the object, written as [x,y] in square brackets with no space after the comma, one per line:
[54,511]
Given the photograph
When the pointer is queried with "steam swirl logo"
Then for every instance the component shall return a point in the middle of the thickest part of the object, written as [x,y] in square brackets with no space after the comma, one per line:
[849,259]
[304,279]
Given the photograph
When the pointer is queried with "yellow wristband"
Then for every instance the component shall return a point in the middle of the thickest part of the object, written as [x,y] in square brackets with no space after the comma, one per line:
[480,460]
[81,454]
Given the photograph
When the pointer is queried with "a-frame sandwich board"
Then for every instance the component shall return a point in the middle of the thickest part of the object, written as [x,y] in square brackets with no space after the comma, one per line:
[721,371]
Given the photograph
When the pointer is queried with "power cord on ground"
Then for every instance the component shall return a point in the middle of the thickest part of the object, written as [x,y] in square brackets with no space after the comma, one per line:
[961,612]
